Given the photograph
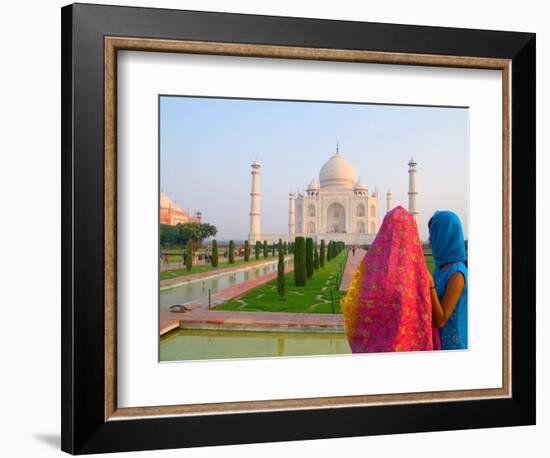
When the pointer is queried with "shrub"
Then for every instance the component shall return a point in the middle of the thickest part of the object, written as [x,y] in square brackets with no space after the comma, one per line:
[231,252]
[214,253]
[246,251]
[189,257]
[257,249]
[281,273]
[315,257]
[309,257]
[300,276]
[266,251]
[322,254]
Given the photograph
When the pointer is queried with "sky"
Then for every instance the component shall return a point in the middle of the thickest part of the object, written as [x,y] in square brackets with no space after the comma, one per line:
[208,144]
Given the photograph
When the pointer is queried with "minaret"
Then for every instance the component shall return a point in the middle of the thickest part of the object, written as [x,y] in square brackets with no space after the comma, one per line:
[255,233]
[292,213]
[388,201]
[413,194]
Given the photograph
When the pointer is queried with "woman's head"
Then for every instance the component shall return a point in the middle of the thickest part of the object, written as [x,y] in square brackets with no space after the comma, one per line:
[398,228]
[446,238]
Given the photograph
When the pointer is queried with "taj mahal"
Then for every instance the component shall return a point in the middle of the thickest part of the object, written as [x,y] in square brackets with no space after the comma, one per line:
[336,207]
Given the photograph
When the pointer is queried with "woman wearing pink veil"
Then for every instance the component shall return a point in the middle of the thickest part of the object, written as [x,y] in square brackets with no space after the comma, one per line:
[388,307]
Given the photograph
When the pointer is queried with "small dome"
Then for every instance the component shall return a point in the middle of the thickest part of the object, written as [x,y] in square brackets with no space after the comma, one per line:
[360,186]
[314,186]
[337,172]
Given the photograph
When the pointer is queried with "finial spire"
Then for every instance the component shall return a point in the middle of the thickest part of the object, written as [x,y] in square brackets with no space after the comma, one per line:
[337,148]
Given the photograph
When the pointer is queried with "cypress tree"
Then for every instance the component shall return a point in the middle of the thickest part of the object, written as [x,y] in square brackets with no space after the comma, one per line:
[257,249]
[300,276]
[266,252]
[281,273]
[246,251]
[231,252]
[315,257]
[285,248]
[189,257]
[322,254]
[329,250]
[309,257]
[214,253]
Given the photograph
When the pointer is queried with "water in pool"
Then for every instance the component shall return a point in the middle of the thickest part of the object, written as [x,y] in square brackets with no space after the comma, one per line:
[192,344]
[197,291]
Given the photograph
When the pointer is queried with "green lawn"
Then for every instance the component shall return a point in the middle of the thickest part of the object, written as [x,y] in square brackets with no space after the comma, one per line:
[167,274]
[312,298]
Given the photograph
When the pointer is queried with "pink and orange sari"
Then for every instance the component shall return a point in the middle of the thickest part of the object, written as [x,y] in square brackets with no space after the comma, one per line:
[388,307]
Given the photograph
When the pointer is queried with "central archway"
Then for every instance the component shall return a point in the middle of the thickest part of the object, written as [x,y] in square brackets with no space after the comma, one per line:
[336,218]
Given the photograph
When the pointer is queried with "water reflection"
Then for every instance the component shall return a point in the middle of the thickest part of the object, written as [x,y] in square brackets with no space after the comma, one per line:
[188,344]
[197,291]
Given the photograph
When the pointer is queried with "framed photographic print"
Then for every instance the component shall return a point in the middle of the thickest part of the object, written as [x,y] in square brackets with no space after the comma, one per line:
[285,228]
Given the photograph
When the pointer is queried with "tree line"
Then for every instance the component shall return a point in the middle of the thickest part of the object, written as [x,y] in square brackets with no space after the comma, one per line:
[182,233]
[261,249]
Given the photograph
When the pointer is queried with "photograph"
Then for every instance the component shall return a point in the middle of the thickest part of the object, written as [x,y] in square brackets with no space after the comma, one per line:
[300,228]
[284,225]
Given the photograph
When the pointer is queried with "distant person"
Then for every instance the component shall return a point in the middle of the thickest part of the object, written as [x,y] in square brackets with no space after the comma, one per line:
[353,250]
[449,285]
[387,307]
[165,259]
[206,257]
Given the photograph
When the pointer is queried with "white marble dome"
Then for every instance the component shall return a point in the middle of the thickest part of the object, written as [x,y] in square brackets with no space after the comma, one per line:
[314,186]
[360,186]
[337,172]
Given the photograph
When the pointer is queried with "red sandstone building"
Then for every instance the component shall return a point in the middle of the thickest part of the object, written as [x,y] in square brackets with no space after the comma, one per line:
[171,214]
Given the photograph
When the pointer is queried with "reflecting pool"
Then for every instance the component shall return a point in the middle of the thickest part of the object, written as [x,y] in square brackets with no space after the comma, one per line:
[196,291]
[194,344]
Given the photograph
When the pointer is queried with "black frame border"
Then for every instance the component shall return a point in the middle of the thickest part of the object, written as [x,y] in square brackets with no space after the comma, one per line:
[84,429]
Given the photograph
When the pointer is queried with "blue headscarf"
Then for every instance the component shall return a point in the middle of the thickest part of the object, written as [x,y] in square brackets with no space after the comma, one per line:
[446,238]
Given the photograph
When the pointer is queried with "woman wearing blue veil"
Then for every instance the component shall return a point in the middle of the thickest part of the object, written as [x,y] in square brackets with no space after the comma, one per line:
[449,285]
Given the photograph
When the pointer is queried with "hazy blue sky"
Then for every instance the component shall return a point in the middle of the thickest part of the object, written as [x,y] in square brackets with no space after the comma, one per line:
[207,146]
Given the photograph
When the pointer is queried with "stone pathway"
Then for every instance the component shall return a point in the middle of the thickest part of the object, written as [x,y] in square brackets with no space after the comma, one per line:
[269,321]
[237,290]
[199,316]
[170,320]
[351,265]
